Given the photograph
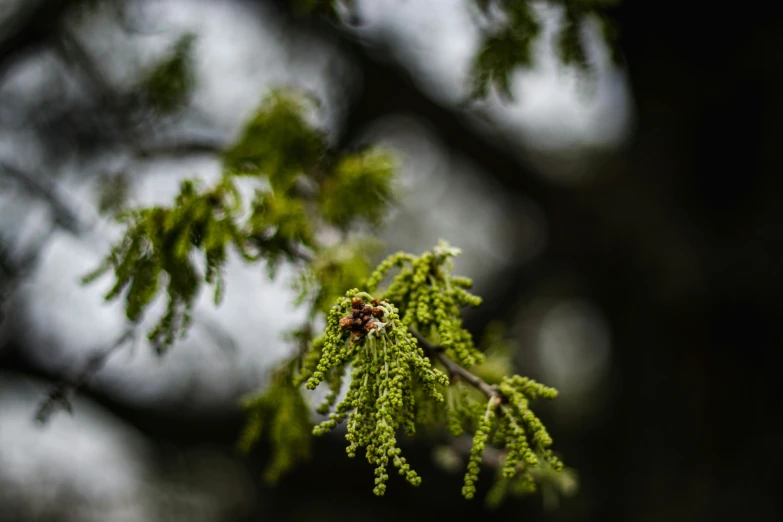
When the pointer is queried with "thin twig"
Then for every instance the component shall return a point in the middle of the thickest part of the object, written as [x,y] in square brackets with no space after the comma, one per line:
[61,394]
[182,146]
[437,352]
[64,216]
[116,106]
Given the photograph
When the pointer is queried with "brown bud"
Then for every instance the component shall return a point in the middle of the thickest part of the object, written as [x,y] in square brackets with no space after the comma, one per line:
[356,314]
[357,303]
[377,312]
[367,309]
[346,323]
[376,302]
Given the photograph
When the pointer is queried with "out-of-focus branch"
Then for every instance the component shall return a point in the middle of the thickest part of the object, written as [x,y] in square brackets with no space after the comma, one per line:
[64,215]
[33,27]
[67,219]
[114,106]
[60,395]
[181,147]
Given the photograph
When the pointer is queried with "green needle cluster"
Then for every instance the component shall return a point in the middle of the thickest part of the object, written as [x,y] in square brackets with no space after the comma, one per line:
[509,423]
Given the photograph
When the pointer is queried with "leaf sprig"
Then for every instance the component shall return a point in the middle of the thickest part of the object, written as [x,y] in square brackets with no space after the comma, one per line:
[282,151]
[157,248]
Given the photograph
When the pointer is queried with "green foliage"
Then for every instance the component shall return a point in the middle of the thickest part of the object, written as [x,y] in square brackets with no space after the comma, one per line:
[280,412]
[157,246]
[512,425]
[505,50]
[277,223]
[569,43]
[167,86]
[278,142]
[553,482]
[430,299]
[359,188]
[281,144]
[280,148]
[386,363]
[394,384]
[344,265]
[510,46]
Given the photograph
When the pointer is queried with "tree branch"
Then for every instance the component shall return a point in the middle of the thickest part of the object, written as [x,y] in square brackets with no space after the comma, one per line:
[64,216]
[60,395]
[182,147]
[117,108]
[32,28]
[438,353]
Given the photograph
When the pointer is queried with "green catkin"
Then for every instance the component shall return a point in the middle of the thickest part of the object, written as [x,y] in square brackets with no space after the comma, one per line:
[513,426]
[429,298]
[479,441]
[394,385]
[380,399]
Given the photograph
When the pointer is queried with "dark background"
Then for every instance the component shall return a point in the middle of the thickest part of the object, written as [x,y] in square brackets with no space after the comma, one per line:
[677,241]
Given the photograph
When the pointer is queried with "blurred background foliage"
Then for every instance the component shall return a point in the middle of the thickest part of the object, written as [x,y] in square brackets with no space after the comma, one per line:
[621,221]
